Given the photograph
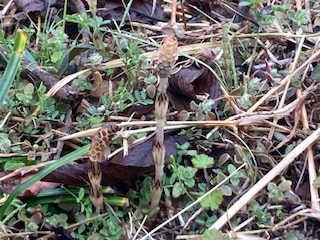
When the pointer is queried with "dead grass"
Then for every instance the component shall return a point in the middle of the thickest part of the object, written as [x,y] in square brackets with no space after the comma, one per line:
[269,128]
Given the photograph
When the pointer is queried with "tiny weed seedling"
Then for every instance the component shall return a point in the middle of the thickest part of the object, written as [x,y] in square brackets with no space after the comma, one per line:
[285,14]
[185,177]
[204,221]
[262,215]
[235,179]
[185,174]
[277,192]
[53,44]
[202,110]
[57,220]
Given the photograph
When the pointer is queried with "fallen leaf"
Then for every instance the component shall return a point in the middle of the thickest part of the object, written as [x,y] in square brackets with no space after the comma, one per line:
[30,6]
[39,186]
[192,83]
[8,185]
[140,11]
[117,169]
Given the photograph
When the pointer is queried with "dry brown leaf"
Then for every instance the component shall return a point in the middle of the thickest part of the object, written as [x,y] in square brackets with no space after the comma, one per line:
[117,169]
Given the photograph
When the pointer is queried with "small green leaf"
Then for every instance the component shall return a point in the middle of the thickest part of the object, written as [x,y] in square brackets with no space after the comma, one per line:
[177,190]
[81,228]
[213,200]
[285,185]
[143,95]
[211,234]
[274,192]
[234,181]
[63,217]
[185,173]
[29,89]
[190,182]
[193,106]
[315,74]
[202,187]
[150,79]
[172,179]
[55,57]
[254,85]
[166,191]
[220,177]
[291,13]
[226,191]
[231,168]
[202,161]
[245,100]
[289,148]
[290,236]
[137,95]
[317,182]
[206,105]
[223,159]
[148,101]
[244,4]
[263,216]
[254,206]
[13,165]
[81,193]
[184,146]
[192,152]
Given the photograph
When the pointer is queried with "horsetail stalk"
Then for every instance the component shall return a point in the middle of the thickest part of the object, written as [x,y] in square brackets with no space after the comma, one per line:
[99,151]
[167,56]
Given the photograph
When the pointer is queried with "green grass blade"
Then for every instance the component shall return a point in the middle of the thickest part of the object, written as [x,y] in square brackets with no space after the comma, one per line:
[37,177]
[13,65]
[112,200]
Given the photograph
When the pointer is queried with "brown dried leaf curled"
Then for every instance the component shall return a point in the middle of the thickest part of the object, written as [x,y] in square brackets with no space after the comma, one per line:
[192,83]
